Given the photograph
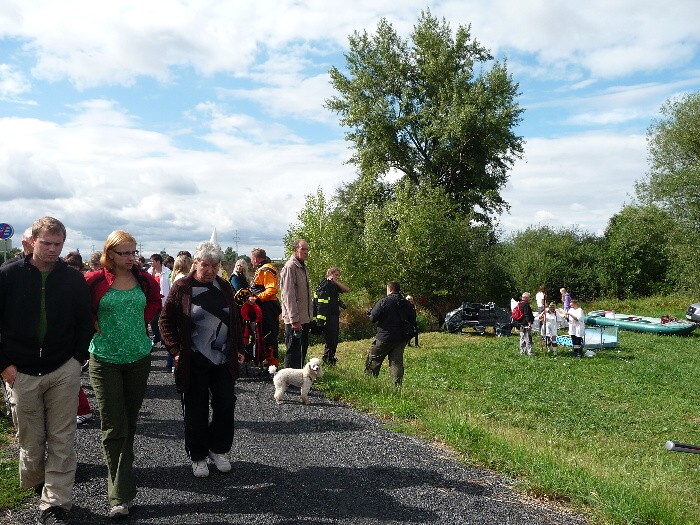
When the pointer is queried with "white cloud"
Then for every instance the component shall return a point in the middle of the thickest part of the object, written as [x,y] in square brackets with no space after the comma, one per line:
[576,181]
[100,172]
[118,42]
[13,83]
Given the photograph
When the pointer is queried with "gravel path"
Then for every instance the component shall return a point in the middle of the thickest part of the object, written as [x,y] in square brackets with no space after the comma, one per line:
[315,464]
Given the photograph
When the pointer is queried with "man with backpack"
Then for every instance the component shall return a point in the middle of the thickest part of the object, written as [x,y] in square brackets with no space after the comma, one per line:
[395,320]
[522,314]
[327,311]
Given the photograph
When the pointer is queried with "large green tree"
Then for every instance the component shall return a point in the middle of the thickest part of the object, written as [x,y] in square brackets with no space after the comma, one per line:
[436,110]
[673,182]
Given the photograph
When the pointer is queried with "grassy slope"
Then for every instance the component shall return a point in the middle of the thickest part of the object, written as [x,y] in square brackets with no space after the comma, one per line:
[590,432]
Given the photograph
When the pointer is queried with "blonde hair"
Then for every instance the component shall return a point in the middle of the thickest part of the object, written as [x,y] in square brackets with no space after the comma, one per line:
[244,264]
[114,239]
[182,264]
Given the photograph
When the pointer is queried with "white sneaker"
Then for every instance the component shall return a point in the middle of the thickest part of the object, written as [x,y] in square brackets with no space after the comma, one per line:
[200,468]
[221,462]
[119,511]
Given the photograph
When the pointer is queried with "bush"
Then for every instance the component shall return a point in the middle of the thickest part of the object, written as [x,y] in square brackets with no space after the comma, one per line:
[355,324]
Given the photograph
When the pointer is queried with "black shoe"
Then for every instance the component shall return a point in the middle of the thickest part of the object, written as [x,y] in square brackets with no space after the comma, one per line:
[53,516]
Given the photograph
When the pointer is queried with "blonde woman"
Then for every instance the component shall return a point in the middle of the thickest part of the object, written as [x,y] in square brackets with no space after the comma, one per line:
[239,277]
[181,267]
[124,299]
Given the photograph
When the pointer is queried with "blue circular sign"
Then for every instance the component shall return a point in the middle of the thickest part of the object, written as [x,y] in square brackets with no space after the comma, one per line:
[6,231]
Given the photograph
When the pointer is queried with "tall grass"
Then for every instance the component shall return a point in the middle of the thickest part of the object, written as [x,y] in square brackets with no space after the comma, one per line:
[588,432]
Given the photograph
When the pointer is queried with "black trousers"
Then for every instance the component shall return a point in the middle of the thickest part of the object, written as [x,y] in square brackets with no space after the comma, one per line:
[577,343]
[332,332]
[296,347]
[270,325]
[202,435]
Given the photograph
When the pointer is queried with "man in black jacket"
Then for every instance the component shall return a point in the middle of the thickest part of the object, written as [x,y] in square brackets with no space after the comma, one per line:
[395,319]
[45,330]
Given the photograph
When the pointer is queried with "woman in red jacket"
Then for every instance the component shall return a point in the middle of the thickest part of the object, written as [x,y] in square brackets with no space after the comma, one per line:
[124,299]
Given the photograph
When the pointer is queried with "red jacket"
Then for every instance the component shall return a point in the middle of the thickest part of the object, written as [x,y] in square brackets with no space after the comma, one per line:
[100,282]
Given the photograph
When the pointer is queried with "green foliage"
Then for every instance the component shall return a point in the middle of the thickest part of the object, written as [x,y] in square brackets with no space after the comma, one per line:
[422,110]
[556,258]
[638,258]
[230,254]
[316,224]
[418,238]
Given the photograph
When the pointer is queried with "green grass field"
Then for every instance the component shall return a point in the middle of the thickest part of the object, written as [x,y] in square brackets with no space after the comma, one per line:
[589,433]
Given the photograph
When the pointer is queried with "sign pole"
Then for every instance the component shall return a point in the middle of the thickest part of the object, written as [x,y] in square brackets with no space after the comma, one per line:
[6,232]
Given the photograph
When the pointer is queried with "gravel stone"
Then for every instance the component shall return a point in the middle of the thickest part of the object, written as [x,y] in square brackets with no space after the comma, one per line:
[321,463]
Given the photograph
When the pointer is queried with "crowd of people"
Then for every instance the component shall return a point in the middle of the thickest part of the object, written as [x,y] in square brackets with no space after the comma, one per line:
[58,317]
[550,319]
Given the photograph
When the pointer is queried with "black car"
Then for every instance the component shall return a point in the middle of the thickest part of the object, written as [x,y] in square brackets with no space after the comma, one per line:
[479,316]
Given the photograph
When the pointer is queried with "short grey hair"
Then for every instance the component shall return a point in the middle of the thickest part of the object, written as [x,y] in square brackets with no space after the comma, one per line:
[526,295]
[209,251]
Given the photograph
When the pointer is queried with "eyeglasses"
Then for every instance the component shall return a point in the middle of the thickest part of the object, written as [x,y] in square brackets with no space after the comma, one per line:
[135,253]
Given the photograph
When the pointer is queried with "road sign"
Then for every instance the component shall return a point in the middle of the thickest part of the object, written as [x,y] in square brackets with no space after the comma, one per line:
[6,231]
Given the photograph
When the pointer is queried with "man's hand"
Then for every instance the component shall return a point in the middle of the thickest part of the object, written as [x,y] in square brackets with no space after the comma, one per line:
[251,299]
[296,326]
[9,375]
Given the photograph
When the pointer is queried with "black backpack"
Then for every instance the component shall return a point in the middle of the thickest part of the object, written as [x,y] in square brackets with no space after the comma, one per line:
[409,324]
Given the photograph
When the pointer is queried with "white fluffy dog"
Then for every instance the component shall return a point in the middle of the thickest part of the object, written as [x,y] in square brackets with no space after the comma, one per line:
[301,377]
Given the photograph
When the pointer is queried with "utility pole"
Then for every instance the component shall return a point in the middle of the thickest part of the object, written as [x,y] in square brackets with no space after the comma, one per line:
[235,240]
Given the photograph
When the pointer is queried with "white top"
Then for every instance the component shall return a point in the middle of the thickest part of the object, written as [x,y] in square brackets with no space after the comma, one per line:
[539,297]
[164,280]
[576,326]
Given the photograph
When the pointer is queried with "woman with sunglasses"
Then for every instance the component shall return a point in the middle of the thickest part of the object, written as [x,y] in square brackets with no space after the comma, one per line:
[124,299]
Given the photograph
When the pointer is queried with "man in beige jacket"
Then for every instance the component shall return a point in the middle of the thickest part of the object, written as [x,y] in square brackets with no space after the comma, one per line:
[296,305]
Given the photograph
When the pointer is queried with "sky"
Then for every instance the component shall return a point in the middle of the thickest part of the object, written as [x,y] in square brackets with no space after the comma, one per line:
[171,118]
